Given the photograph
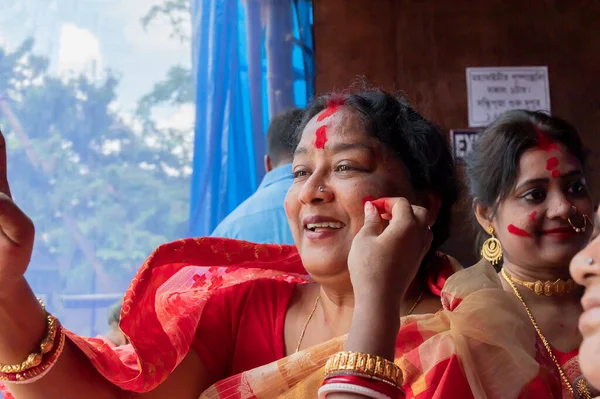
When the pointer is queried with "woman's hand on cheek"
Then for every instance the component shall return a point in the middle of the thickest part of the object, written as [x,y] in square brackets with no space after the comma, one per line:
[385,256]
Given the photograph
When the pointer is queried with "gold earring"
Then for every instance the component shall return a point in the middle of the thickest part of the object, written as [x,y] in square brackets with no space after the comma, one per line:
[492,250]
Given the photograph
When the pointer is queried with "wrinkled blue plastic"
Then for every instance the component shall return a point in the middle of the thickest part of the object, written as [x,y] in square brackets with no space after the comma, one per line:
[232,114]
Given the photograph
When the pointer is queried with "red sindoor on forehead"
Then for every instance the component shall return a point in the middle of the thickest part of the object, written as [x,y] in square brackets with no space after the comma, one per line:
[336,101]
[328,112]
[321,138]
[333,104]
[552,163]
[545,143]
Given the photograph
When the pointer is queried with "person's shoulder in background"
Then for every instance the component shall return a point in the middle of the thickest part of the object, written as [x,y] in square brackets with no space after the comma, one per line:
[261,217]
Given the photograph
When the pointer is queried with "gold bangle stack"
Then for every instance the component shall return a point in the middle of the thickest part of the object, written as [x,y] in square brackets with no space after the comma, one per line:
[364,365]
[46,346]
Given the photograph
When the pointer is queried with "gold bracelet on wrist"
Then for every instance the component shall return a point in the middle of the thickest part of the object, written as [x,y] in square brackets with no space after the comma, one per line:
[367,365]
[46,345]
[49,361]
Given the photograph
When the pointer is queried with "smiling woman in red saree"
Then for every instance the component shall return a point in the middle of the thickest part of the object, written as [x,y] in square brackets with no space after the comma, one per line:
[228,319]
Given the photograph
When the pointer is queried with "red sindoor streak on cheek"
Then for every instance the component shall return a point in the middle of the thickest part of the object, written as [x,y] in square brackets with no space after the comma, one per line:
[532,216]
[512,229]
[321,137]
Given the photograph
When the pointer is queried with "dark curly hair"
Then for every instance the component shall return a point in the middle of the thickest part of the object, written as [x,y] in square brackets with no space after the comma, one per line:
[418,143]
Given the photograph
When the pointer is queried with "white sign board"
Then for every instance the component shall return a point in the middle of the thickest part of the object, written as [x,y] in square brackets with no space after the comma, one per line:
[493,90]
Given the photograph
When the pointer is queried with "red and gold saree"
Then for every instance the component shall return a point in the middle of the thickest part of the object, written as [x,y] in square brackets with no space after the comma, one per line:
[479,345]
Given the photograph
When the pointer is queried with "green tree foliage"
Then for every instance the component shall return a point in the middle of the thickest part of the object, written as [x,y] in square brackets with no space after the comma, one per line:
[177,12]
[177,87]
[102,192]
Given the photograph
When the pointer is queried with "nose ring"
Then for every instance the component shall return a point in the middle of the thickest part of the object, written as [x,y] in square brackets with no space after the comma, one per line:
[589,261]
[578,229]
[321,189]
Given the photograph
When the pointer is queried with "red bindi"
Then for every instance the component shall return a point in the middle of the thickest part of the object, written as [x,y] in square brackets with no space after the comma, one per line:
[545,143]
[551,163]
[512,229]
[321,137]
[532,216]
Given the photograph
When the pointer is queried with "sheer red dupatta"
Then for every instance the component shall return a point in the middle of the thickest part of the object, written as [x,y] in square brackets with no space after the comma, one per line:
[164,303]
[479,345]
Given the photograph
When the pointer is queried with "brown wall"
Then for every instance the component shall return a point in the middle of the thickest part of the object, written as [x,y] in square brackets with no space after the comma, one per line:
[423,48]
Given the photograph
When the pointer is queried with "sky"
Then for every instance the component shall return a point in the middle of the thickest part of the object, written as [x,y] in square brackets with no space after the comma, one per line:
[89,36]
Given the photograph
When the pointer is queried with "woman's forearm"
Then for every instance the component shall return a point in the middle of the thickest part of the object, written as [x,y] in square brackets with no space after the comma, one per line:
[23,327]
[374,328]
[23,322]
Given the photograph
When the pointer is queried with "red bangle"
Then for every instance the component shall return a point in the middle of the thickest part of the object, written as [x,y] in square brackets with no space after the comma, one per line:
[382,388]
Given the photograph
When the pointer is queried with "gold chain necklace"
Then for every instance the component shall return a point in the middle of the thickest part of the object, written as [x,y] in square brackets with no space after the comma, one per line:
[315,309]
[582,388]
[412,309]
[306,323]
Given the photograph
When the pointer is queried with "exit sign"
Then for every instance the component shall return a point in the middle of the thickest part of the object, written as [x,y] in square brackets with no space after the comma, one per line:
[462,141]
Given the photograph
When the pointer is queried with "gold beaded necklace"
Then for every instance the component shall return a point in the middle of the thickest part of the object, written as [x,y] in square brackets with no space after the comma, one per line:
[582,388]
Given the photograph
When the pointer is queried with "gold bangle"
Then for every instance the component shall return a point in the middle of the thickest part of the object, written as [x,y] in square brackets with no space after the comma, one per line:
[32,375]
[48,342]
[365,364]
[35,359]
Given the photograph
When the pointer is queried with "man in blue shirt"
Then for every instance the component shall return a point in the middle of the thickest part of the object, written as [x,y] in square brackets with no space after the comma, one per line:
[261,218]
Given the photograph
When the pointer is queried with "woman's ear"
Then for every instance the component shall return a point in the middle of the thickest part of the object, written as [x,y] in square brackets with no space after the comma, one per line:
[433,203]
[483,213]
